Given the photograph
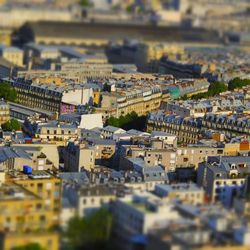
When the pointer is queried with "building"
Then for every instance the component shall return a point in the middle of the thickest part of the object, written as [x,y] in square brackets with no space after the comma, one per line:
[55,131]
[188,130]
[148,55]
[231,125]
[30,206]
[138,214]
[83,33]
[7,69]
[90,121]
[85,155]
[187,193]
[223,178]
[171,159]
[52,98]
[12,55]
[4,112]
[141,99]
[109,132]
[14,159]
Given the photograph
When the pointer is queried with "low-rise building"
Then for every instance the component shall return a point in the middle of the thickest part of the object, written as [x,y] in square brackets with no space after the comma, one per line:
[187,193]
[55,131]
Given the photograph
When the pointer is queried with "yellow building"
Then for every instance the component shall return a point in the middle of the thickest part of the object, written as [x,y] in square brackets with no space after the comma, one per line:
[30,207]
[12,54]
[148,55]
[4,112]
[5,36]
[47,240]
[231,149]
[48,188]
[96,96]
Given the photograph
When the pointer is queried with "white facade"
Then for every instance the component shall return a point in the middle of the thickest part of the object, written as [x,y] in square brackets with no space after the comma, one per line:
[78,96]
[90,121]
[108,132]
[139,214]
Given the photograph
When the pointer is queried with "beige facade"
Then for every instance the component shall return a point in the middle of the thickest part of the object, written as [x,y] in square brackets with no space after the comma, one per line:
[78,157]
[148,55]
[4,112]
[57,132]
[141,102]
[170,159]
[13,55]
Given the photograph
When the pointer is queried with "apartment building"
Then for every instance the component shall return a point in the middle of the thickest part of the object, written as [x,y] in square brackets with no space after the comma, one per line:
[14,158]
[76,70]
[139,100]
[231,125]
[109,132]
[4,112]
[188,193]
[169,158]
[89,199]
[187,129]
[51,97]
[138,214]
[55,131]
[87,154]
[30,206]
[224,177]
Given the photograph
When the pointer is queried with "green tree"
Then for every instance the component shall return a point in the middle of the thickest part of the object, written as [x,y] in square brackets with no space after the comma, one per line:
[129,121]
[238,83]
[11,125]
[92,232]
[31,246]
[216,88]
[129,8]
[85,3]
[106,87]
[7,92]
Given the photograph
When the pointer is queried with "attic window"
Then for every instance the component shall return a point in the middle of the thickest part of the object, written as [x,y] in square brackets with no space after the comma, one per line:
[242,165]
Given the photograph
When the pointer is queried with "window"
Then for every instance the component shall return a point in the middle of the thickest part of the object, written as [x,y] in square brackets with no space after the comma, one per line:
[42,218]
[54,132]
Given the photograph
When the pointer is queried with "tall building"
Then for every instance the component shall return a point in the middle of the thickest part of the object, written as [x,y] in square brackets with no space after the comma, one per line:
[4,112]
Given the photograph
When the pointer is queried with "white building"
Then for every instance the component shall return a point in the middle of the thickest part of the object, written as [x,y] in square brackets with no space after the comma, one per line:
[78,96]
[108,132]
[90,121]
[141,212]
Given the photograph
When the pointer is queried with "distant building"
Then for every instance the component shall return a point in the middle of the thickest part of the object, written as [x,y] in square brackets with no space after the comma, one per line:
[4,112]
[12,55]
